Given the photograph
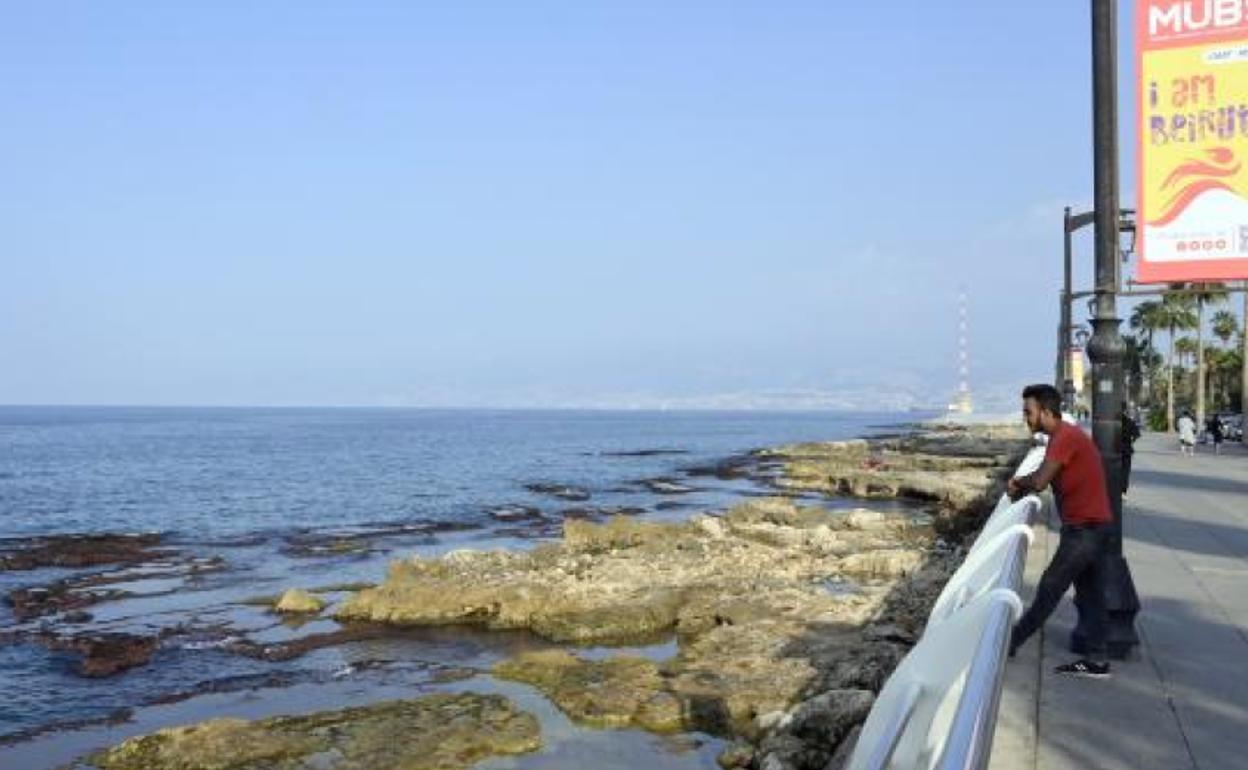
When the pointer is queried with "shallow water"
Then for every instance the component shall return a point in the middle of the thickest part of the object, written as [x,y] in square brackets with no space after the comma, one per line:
[254,487]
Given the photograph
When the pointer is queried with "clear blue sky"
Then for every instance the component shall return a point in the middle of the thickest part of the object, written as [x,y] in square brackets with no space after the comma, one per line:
[542,203]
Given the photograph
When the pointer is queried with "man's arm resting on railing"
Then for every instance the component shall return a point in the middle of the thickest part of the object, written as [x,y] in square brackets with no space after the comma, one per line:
[1035,482]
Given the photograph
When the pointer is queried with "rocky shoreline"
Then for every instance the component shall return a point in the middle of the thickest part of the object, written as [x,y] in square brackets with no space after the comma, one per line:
[785,614]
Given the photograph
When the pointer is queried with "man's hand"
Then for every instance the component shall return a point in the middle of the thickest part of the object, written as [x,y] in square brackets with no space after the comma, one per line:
[1014,489]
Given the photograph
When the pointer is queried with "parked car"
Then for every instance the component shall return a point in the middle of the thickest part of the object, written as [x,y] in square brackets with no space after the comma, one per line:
[1232,429]
[1232,426]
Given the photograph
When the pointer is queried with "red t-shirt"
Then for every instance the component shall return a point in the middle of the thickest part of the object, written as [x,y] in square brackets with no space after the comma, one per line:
[1080,484]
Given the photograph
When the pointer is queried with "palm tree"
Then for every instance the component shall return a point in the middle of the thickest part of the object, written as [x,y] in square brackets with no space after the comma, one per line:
[1148,318]
[1185,348]
[1230,369]
[1150,361]
[1205,293]
[1224,325]
[1223,366]
[1140,359]
[1177,314]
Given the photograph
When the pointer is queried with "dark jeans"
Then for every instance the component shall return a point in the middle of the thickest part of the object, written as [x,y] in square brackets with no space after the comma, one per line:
[1126,470]
[1079,560]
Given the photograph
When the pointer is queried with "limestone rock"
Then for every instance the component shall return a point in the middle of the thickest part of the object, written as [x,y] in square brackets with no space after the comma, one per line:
[298,601]
[887,562]
[956,467]
[709,526]
[619,692]
[440,732]
[862,518]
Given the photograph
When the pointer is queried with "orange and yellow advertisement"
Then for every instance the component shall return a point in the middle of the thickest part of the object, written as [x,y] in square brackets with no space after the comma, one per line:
[1192,211]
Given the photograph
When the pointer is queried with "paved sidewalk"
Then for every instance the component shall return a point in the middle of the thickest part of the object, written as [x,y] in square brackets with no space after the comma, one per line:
[1183,701]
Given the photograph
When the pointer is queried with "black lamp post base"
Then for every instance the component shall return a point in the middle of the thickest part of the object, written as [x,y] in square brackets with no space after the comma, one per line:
[1115,650]
[1122,603]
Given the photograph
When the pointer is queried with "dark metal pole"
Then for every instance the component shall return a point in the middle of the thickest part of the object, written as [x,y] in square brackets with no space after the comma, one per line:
[1106,349]
[1156,292]
[1243,382]
[1067,384]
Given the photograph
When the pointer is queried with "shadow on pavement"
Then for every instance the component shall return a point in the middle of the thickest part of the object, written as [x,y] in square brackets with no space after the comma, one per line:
[1208,538]
[1193,481]
[1182,704]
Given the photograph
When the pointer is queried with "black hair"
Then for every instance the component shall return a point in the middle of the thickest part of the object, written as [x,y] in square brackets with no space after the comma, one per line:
[1046,397]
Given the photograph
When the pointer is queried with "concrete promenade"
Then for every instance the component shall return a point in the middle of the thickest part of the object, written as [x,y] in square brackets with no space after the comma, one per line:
[1182,702]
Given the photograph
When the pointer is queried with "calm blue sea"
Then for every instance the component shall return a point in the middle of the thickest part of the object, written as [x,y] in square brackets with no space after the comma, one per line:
[201,472]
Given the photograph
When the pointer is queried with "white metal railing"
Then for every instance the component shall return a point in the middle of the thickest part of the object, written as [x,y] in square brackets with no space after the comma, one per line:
[939,708]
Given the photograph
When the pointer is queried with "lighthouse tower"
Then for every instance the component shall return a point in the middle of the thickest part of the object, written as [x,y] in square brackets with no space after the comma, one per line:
[961,403]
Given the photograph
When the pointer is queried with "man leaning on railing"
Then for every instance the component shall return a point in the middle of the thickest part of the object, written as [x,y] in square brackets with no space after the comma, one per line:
[1073,466]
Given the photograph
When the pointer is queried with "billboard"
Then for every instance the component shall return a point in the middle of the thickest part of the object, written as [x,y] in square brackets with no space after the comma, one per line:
[1192,207]
[1076,368]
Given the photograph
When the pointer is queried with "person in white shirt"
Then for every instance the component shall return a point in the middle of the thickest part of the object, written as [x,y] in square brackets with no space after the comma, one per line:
[1187,434]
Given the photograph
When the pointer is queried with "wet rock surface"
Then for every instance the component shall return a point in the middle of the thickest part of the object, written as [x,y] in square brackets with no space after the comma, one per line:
[365,539]
[439,732]
[302,645]
[105,654]
[79,550]
[596,513]
[83,590]
[59,596]
[560,491]
[515,512]
[735,467]
[646,453]
[623,691]
[666,486]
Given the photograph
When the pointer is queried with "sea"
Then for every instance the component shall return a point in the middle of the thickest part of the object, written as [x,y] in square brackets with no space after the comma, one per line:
[256,491]
[205,472]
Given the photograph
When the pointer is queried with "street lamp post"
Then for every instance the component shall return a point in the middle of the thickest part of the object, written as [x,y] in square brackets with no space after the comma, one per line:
[1106,349]
[1243,387]
[1070,224]
[1081,334]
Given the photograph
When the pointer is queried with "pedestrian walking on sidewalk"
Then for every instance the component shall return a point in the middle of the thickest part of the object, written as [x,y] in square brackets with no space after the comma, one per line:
[1214,427]
[1187,434]
[1073,466]
[1126,448]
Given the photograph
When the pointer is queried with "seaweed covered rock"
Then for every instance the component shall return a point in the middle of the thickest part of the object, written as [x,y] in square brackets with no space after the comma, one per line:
[439,732]
[84,550]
